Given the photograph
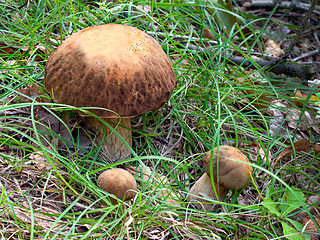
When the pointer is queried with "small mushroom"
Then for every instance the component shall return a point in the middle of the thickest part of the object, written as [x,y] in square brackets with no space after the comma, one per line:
[229,171]
[114,67]
[229,167]
[118,182]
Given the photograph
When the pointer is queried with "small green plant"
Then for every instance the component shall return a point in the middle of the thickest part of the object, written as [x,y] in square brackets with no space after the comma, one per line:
[318,103]
[291,200]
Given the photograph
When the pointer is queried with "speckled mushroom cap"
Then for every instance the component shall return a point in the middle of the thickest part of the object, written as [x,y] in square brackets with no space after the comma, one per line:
[110,66]
[232,174]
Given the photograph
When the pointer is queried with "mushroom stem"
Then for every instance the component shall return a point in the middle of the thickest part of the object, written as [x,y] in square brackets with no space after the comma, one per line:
[113,146]
[203,188]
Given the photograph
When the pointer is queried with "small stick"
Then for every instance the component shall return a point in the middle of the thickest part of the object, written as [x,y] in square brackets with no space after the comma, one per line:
[300,31]
[282,4]
[308,54]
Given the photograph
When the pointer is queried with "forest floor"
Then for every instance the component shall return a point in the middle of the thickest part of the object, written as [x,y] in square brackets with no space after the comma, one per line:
[233,87]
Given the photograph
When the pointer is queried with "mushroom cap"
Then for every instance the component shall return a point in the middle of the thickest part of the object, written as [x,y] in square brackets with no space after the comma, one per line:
[118,182]
[110,66]
[232,174]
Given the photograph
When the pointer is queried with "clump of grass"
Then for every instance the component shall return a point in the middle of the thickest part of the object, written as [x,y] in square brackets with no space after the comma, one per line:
[48,176]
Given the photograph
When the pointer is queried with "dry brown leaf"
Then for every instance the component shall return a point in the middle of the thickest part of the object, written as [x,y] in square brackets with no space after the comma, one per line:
[272,48]
[208,34]
[29,93]
[6,65]
[300,98]
[309,225]
[27,96]
[299,146]
[41,162]
[5,49]
[9,49]
[302,120]
[261,100]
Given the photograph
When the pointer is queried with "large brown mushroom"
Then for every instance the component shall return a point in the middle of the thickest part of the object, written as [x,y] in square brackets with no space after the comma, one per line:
[115,71]
[229,171]
[118,182]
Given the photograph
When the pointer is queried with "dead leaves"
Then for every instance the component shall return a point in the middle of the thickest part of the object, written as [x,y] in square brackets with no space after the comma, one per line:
[11,47]
[30,94]
[23,197]
[300,99]
[260,100]
[299,146]
[272,48]
[6,50]
[41,161]
[311,227]
[259,152]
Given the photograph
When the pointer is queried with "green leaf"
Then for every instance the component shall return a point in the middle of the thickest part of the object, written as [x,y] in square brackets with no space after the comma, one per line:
[225,17]
[290,232]
[222,12]
[318,103]
[299,227]
[271,206]
[293,200]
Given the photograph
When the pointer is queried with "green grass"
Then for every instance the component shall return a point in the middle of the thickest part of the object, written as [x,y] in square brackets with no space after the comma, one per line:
[60,199]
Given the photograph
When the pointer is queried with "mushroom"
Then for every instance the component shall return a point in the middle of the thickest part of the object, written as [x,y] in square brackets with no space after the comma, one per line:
[229,171]
[118,182]
[203,188]
[116,72]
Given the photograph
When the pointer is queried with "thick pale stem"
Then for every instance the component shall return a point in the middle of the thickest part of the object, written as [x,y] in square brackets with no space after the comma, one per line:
[113,146]
[203,188]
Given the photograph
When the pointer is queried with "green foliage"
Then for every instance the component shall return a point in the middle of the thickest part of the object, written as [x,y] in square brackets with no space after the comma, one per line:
[291,200]
[291,233]
[318,103]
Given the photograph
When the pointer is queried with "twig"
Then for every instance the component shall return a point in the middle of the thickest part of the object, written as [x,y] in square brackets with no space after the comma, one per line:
[308,54]
[276,65]
[282,4]
[303,71]
[209,42]
[316,38]
[300,31]
[13,8]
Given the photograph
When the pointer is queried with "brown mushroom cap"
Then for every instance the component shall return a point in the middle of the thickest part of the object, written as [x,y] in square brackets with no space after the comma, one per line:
[111,66]
[118,182]
[232,174]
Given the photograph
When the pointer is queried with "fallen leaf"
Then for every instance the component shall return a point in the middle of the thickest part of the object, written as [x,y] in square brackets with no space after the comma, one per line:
[41,162]
[309,225]
[299,146]
[260,100]
[299,99]
[29,93]
[6,50]
[208,34]
[278,125]
[272,48]
[302,120]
